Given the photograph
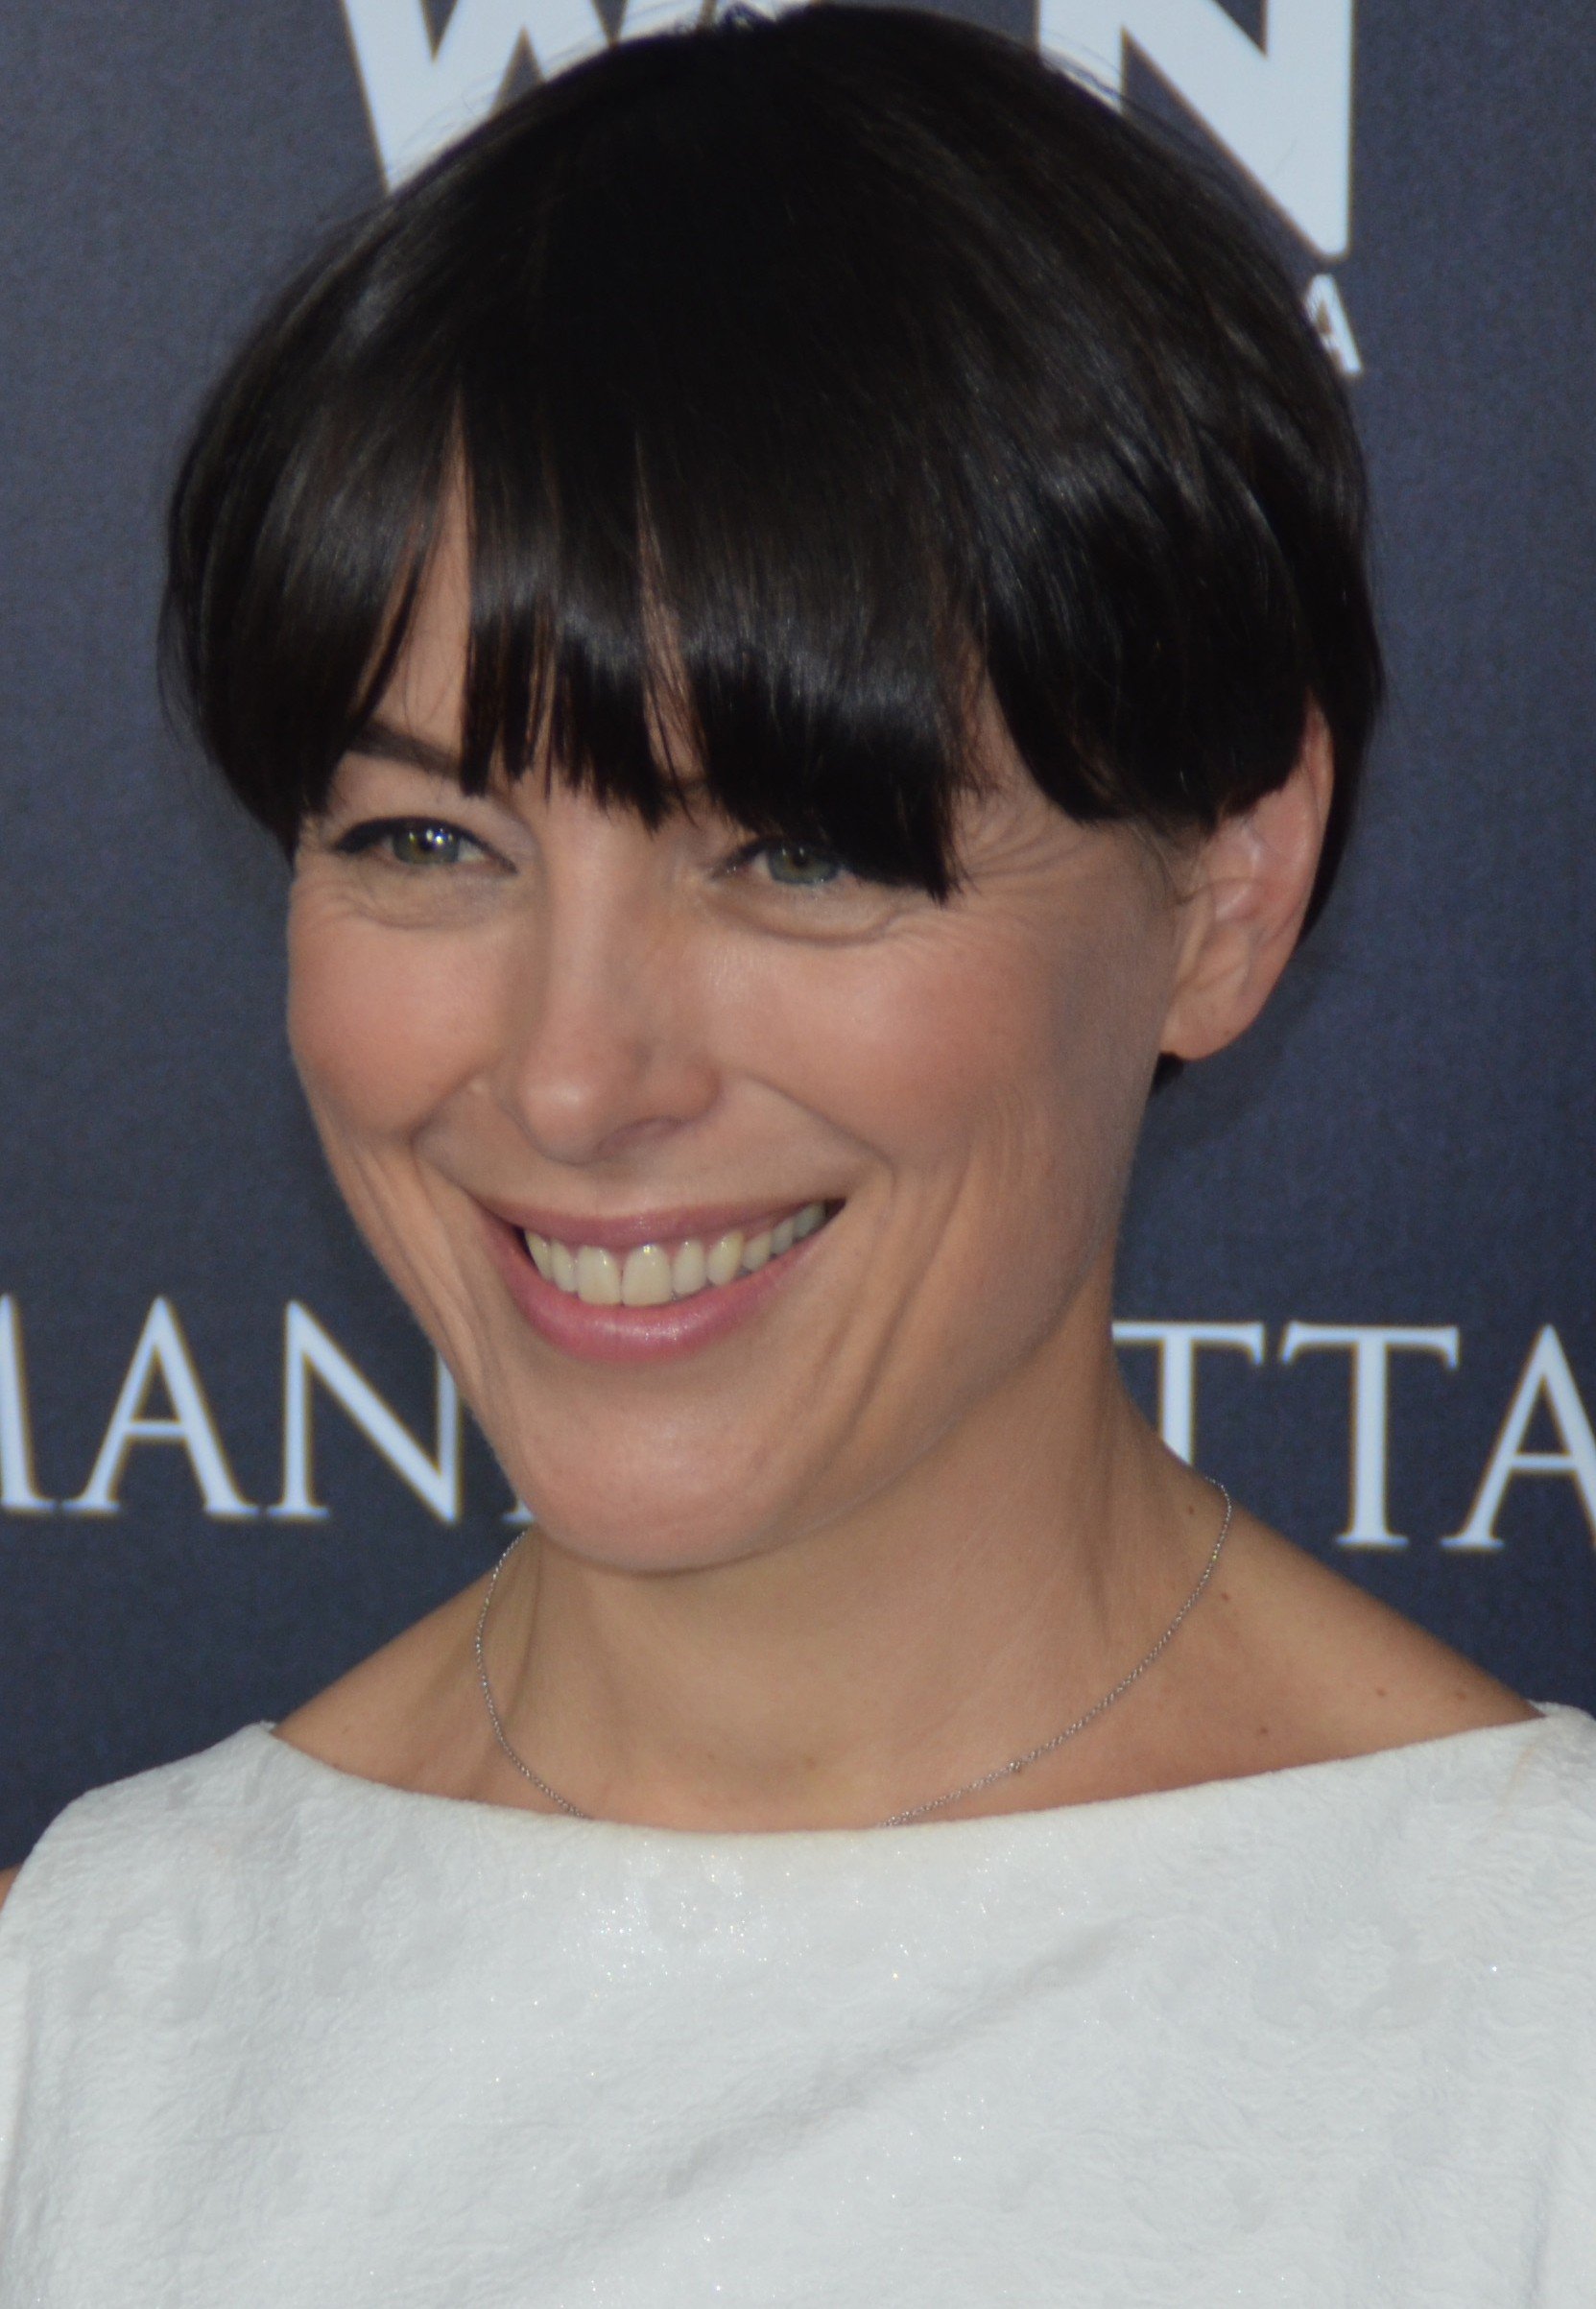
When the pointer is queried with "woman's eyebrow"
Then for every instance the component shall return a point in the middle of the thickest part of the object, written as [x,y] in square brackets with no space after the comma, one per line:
[380,742]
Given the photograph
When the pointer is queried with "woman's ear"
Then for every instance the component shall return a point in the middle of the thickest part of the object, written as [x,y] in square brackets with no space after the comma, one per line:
[1247,889]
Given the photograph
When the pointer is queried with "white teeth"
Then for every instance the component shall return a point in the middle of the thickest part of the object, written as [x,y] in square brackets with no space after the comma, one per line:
[724,1259]
[598,1277]
[653,1275]
[689,1270]
[646,1277]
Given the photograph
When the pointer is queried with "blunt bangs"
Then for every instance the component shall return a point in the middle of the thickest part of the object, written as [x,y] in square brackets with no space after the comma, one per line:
[798,379]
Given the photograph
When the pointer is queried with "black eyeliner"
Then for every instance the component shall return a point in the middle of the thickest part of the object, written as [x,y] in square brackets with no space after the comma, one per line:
[371,831]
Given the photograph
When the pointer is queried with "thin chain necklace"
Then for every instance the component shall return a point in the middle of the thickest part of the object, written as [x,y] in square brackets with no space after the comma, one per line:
[896,1819]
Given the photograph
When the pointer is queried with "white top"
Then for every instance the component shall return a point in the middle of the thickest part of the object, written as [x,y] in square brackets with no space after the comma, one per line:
[274,2036]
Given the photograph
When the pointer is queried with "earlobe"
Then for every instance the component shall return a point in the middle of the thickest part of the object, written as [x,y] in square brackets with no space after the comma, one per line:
[1248,895]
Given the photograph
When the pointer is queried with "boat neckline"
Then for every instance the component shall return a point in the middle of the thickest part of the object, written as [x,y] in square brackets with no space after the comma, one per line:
[1369,1763]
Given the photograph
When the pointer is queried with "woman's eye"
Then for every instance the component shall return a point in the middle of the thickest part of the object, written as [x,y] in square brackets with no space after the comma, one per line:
[410,842]
[795,865]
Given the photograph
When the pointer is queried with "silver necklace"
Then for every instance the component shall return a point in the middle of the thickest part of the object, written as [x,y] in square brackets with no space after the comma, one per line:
[896,1819]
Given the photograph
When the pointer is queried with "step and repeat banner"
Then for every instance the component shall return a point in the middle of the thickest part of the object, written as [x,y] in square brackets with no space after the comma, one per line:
[1357,1273]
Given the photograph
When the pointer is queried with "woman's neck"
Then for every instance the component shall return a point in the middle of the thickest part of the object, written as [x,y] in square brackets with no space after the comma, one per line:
[908,1645]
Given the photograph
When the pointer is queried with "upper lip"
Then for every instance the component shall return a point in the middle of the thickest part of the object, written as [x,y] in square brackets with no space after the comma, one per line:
[680,1224]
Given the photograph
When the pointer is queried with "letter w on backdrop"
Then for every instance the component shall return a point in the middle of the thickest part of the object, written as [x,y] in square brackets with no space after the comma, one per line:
[1282,109]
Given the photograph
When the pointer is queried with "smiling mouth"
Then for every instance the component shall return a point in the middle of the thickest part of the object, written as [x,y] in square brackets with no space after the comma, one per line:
[658,1275]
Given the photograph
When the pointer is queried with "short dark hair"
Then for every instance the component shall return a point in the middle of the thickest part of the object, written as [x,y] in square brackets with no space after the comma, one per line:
[864,353]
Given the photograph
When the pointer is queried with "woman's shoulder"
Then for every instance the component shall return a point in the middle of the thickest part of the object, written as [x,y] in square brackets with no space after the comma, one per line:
[1301,1664]
[1525,1788]
[177,1829]
[1426,1755]
[235,1811]
[1482,1845]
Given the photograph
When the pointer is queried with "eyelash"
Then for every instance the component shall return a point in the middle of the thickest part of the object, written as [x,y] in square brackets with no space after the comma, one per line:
[362,840]
[751,851]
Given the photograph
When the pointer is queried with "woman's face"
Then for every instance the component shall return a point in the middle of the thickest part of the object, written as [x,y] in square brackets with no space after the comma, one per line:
[524,1013]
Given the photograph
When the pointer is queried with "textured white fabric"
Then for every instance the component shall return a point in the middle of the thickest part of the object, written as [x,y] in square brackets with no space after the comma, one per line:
[272,2035]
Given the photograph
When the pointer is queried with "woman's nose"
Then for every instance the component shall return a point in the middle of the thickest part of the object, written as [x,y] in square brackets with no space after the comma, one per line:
[606,1046]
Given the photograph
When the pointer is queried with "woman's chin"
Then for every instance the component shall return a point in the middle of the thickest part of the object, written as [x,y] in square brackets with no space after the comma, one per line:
[721,1506]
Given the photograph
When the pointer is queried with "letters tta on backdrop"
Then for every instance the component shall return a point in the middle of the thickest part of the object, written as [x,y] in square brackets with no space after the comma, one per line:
[1355,1279]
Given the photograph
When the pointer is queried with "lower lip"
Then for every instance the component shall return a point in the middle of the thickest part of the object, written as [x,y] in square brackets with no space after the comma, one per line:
[637,1334]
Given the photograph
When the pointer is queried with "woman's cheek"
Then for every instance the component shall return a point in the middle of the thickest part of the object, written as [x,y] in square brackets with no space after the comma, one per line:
[383,1024]
[905,1049]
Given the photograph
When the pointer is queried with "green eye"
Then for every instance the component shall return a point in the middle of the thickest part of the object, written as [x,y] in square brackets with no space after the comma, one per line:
[410,842]
[799,864]
[417,842]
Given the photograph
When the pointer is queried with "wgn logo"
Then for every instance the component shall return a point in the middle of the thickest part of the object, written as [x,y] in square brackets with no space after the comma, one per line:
[1281,108]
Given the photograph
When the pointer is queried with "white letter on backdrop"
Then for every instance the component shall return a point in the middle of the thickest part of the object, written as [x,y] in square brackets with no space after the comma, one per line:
[1371,1347]
[1178,1344]
[162,1349]
[422,95]
[1283,110]
[1322,303]
[17,1491]
[1546,1377]
[308,1354]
